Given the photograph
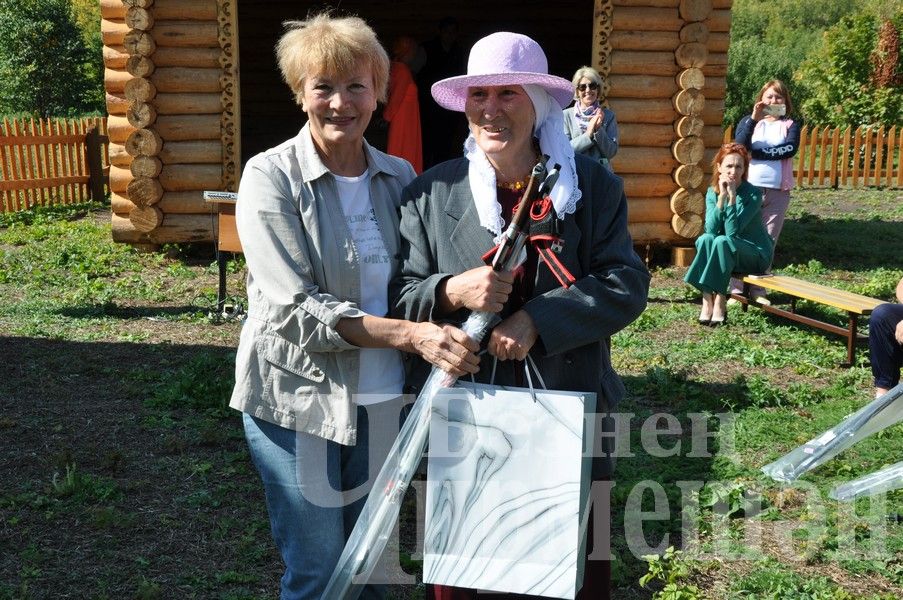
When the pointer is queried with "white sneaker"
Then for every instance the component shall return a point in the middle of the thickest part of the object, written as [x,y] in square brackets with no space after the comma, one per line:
[733,302]
[762,300]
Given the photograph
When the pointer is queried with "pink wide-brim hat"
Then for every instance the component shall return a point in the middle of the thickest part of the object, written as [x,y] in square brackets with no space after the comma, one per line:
[503,58]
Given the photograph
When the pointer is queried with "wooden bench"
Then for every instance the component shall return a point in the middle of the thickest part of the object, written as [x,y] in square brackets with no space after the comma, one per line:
[855,305]
[226,236]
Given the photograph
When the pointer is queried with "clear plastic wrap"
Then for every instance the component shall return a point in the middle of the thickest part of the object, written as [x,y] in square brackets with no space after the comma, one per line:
[885,480]
[881,413]
[377,520]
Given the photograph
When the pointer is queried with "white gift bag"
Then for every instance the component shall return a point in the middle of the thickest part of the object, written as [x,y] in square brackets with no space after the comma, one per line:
[507,487]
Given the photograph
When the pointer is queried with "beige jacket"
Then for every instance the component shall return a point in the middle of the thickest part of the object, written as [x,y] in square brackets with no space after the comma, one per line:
[292,367]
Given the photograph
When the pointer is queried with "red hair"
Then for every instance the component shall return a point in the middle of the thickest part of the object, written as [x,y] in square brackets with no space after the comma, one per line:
[724,150]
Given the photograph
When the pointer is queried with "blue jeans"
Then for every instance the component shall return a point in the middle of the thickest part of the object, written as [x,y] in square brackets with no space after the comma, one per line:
[315,490]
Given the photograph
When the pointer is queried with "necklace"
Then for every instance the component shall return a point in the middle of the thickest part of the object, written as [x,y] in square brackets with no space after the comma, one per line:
[514,186]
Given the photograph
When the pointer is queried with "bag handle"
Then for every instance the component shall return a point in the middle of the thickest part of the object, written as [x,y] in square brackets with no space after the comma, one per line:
[529,362]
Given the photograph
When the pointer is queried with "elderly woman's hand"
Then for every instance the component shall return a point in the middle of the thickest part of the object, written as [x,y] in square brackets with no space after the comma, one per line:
[445,346]
[513,337]
[479,289]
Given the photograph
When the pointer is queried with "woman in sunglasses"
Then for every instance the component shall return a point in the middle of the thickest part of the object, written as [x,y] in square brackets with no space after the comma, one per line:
[592,129]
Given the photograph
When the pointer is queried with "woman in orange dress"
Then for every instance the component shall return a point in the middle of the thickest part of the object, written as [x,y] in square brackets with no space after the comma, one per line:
[403,110]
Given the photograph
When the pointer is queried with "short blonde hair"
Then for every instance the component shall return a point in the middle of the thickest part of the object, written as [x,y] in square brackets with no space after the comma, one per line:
[591,74]
[332,46]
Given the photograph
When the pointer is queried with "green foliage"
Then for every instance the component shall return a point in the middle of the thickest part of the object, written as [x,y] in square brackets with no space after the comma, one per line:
[46,65]
[672,568]
[204,383]
[769,581]
[837,77]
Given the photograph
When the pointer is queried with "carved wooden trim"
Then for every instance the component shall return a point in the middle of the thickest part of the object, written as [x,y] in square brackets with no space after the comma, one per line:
[601,59]
[227,17]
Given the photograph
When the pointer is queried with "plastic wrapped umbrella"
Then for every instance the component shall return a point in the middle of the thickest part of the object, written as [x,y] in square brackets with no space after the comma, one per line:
[884,411]
[374,526]
[885,480]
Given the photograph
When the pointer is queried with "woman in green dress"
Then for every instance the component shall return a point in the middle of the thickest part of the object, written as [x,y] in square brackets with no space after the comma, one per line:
[735,240]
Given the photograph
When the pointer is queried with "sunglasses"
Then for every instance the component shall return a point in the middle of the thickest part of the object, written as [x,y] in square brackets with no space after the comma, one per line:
[587,86]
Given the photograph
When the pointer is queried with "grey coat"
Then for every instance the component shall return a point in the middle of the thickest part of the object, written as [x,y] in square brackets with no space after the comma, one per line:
[442,236]
[602,145]
[292,367]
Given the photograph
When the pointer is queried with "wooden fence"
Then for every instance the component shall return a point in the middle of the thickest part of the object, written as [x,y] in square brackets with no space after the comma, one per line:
[835,157]
[52,161]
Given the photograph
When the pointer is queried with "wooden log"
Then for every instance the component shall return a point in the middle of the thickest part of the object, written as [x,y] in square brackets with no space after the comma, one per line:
[688,150]
[691,79]
[687,126]
[718,42]
[656,111]
[208,58]
[144,142]
[138,3]
[634,159]
[648,186]
[651,41]
[145,166]
[112,32]
[187,80]
[661,233]
[682,256]
[694,32]
[118,156]
[181,178]
[182,203]
[140,89]
[139,43]
[146,218]
[139,66]
[112,9]
[173,229]
[118,129]
[648,209]
[189,10]
[187,34]
[655,3]
[692,54]
[139,18]
[116,104]
[115,57]
[643,63]
[189,104]
[689,176]
[141,114]
[689,102]
[119,179]
[192,152]
[646,18]
[713,112]
[714,70]
[719,21]
[642,86]
[642,134]
[695,10]
[175,128]
[716,87]
[685,201]
[115,81]
[717,4]
[688,226]
[144,191]
[712,136]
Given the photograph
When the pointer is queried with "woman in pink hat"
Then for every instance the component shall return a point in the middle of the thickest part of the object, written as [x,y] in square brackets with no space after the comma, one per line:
[456,211]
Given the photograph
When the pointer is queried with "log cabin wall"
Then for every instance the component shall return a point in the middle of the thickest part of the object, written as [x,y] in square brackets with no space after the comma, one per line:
[182,121]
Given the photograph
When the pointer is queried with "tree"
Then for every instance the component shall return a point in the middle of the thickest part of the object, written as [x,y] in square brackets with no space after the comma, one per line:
[844,79]
[45,65]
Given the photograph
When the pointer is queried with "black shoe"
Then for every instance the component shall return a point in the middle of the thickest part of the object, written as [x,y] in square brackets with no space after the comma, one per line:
[705,322]
[718,322]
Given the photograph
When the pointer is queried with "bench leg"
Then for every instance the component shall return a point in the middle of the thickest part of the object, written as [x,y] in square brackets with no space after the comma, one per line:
[851,340]
[221,292]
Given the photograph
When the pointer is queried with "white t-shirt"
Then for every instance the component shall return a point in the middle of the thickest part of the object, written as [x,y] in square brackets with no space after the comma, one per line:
[767,173]
[381,369]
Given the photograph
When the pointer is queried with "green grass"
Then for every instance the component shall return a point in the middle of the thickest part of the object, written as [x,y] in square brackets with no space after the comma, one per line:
[141,466]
